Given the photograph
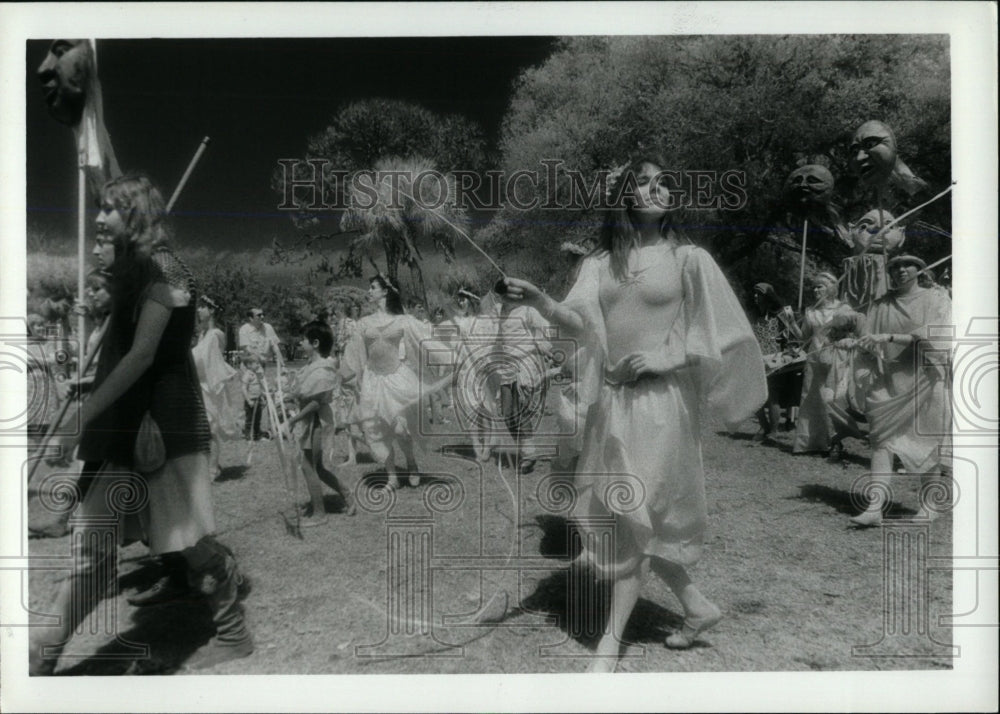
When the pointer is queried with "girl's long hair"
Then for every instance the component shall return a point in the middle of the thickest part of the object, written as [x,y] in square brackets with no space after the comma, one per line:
[393,300]
[619,233]
[141,207]
[215,318]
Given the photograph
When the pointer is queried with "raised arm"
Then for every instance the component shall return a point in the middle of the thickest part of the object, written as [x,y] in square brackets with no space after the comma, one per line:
[526,293]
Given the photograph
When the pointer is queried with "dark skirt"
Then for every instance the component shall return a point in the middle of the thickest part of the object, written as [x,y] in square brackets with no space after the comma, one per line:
[785,389]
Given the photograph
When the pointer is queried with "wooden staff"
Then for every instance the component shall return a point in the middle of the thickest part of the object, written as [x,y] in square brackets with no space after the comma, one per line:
[464,235]
[294,527]
[187,174]
[81,243]
[802,260]
[65,405]
[81,252]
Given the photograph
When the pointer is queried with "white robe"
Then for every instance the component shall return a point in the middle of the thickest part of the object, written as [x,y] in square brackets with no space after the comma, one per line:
[640,443]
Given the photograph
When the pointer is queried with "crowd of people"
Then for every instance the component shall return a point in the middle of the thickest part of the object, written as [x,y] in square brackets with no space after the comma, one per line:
[662,342]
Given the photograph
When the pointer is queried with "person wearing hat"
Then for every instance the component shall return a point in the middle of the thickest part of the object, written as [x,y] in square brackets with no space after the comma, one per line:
[907,353]
[824,419]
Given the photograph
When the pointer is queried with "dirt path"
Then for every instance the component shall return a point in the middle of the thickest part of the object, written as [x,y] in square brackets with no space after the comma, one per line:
[800,589]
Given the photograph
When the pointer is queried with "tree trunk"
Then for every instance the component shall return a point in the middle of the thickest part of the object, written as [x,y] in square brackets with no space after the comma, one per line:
[419,276]
[392,263]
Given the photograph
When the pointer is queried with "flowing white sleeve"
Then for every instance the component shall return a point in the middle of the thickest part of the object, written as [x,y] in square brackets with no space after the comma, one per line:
[423,350]
[352,365]
[719,342]
[587,361]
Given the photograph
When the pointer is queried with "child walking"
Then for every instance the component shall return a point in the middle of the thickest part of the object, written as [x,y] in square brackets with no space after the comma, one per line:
[252,395]
[315,386]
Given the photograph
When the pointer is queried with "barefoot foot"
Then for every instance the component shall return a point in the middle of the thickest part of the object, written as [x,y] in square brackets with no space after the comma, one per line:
[692,627]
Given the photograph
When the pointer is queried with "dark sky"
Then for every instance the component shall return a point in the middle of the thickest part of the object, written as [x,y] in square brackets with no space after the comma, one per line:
[258,100]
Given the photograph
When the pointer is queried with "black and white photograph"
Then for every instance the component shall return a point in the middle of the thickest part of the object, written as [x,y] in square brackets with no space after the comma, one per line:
[347,348]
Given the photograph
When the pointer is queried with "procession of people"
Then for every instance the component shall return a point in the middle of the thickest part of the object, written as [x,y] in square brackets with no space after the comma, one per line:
[664,347]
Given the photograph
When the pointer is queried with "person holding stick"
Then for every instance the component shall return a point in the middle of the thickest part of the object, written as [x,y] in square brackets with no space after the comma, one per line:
[146,372]
[99,307]
[907,348]
[314,389]
[661,332]
[824,421]
[772,332]
[520,340]
[476,389]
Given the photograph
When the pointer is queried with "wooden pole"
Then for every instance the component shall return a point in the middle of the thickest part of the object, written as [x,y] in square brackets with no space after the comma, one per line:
[187,174]
[81,229]
[81,254]
[802,261]
[84,366]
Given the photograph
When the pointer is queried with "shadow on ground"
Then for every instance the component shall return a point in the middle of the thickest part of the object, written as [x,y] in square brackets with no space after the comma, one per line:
[844,501]
[232,473]
[578,602]
[169,633]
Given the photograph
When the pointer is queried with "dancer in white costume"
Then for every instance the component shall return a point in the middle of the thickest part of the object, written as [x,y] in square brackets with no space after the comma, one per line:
[220,384]
[905,369]
[824,414]
[381,361]
[662,333]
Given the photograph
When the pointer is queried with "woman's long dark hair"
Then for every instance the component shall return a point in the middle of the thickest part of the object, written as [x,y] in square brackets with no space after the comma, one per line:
[393,300]
[619,233]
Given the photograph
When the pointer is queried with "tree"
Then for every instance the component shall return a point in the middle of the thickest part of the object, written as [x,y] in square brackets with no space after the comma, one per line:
[413,204]
[374,134]
[755,105]
[367,131]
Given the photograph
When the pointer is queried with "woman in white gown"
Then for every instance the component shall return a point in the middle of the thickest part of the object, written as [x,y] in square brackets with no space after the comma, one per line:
[381,362]
[824,414]
[905,370]
[220,387]
[661,333]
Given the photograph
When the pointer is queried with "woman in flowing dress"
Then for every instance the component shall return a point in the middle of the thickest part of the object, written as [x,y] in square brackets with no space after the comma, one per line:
[220,385]
[824,418]
[905,365]
[146,374]
[662,332]
[379,364]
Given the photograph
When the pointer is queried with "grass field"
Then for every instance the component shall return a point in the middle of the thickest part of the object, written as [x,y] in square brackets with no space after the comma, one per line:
[799,588]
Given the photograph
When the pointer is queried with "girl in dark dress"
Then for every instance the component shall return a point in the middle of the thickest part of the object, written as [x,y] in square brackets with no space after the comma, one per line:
[146,368]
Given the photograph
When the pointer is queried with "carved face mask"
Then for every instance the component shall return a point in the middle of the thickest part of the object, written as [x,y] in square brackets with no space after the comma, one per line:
[65,75]
[809,186]
[873,152]
[867,237]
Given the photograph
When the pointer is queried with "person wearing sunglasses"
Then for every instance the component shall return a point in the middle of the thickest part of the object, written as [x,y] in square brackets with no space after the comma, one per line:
[259,338]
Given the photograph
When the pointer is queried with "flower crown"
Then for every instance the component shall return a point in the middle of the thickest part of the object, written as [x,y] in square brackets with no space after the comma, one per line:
[571,247]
